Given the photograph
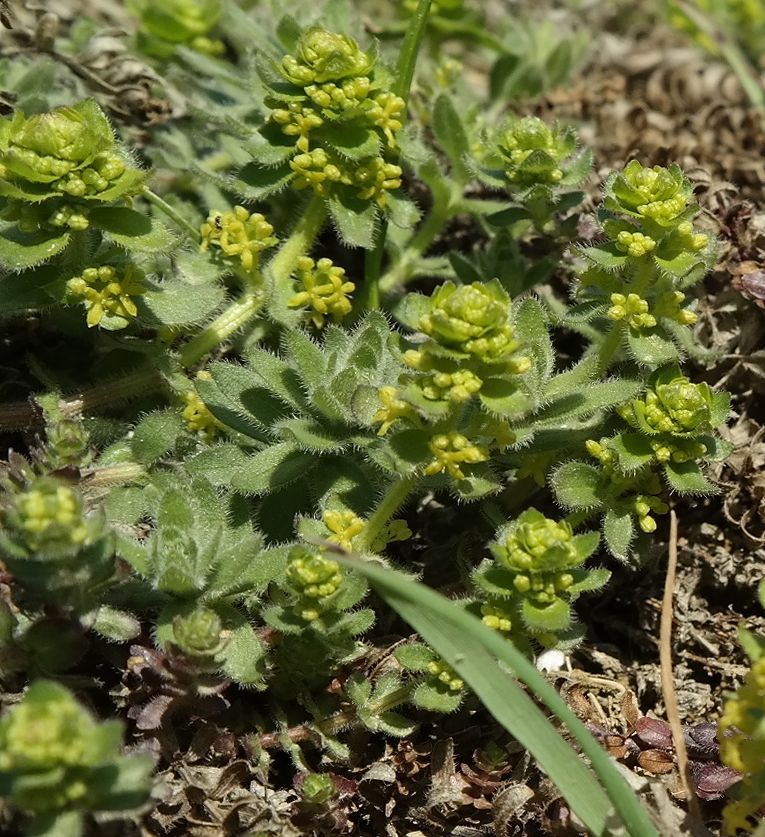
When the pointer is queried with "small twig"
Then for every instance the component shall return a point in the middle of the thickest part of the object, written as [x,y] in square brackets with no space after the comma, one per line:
[667,683]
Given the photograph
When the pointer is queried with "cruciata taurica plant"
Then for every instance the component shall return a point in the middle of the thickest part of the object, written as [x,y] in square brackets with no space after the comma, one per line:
[332,130]
[66,226]
[539,164]
[58,763]
[211,525]
[634,279]
[537,572]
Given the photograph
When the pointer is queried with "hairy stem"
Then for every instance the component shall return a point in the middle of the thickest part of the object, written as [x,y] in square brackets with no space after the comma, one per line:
[392,500]
[401,272]
[123,474]
[235,317]
[407,58]
[165,207]
[281,267]
[142,381]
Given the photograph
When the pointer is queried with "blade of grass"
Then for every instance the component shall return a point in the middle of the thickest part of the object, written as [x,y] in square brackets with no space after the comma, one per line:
[473,650]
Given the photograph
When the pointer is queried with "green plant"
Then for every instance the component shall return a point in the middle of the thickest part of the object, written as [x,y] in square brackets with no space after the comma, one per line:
[57,761]
[740,733]
[249,406]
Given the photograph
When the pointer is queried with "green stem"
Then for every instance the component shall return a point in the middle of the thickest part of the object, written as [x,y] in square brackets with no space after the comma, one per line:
[165,207]
[401,272]
[134,385]
[235,317]
[127,472]
[387,507]
[282,266]
[407,58]
[609,347]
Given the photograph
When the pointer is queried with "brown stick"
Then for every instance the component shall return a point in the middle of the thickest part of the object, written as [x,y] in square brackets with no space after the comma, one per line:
[667,682]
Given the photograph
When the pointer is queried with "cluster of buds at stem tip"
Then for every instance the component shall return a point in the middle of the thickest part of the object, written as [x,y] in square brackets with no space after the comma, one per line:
[200,633]
[651,253]
[167,24]
[532,152]
[48,517]
[69,152]
[473,319]
[108,294]
[325,290]
[315,580]
[335,86]
[672,405]
[238,234]
[451,451]
[55,757]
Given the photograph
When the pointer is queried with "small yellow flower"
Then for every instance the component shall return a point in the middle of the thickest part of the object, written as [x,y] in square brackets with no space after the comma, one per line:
[393,409]
[108,294]
[633,309]
[450,450]
[238,233]
[344,525]
[197,415]
[326,290]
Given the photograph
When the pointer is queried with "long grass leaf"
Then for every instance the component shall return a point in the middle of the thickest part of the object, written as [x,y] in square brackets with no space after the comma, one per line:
[473,650]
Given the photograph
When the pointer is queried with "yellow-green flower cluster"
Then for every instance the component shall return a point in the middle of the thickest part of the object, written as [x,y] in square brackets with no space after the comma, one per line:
[645,505]
[325,290]
[635,244]
[498,616]
[445,675]
[540,552]
[741,734]
[315,579]
[677,406]
[533,152]
[633,309]
[474,319]
[68,152]
[239,234]
[452,450]
[344,526]
[71,217]
[393,408]
[166,24]
[50,514]
[109,295]
[200,633]
[658,194]
[336,90]
[197,416]
[50,736]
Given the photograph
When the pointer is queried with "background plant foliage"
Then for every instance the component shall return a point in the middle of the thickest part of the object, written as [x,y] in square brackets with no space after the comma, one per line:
[253,358]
